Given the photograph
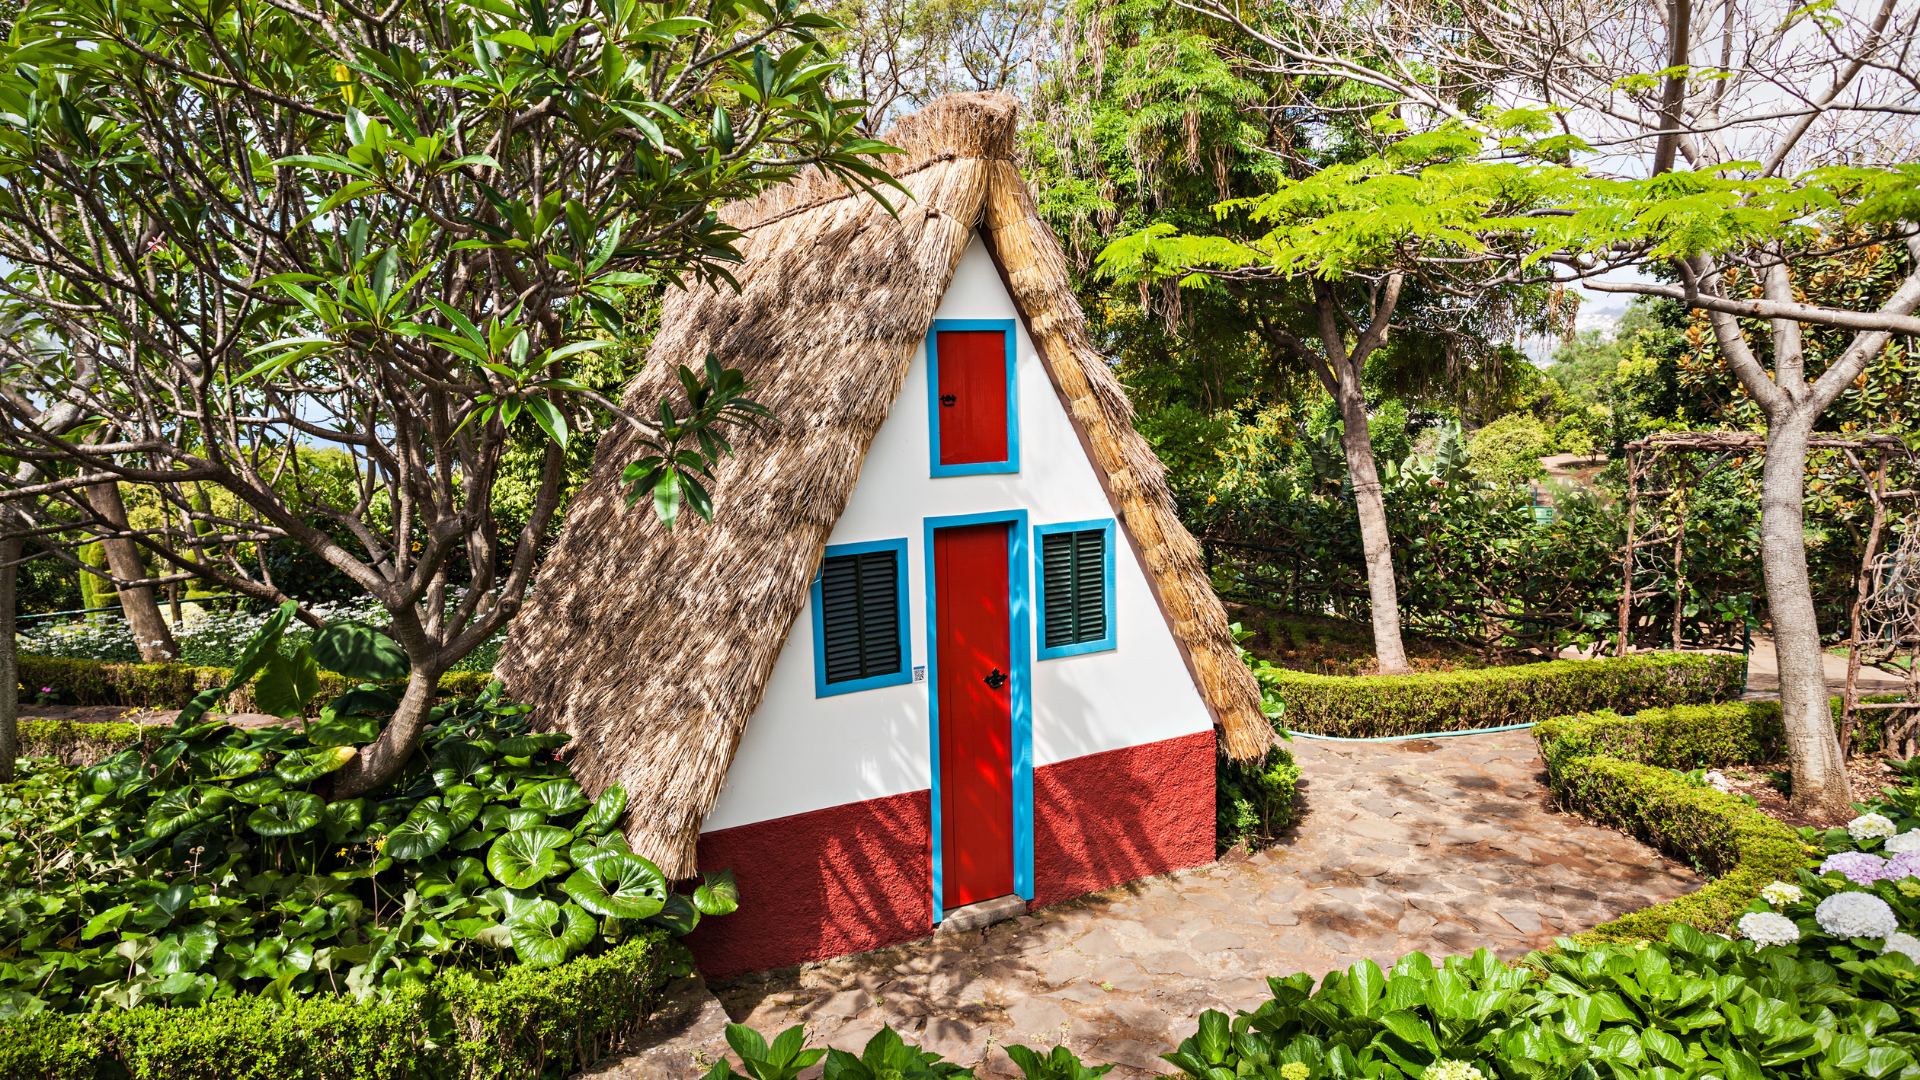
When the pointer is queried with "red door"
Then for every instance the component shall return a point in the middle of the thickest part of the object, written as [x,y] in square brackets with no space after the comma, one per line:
[973,396]
[976,713]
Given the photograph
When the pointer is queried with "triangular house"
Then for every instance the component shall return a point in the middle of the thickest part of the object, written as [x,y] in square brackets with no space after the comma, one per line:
[945,640]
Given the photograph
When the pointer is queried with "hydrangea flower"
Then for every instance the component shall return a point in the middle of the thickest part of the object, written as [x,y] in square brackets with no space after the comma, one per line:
[1448,1069]
[1905,944]
[1870,827]
[1780,894]
[1856,915]
[1765,928]
[1908,887]
[1859,867]
[1294,1070]
[1904,842]
[1902,866]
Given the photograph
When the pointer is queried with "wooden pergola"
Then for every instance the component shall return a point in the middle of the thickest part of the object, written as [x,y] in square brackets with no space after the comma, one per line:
[1884,617]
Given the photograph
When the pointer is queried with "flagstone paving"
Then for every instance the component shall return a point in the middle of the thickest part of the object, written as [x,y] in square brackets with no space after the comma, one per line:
[1441,845]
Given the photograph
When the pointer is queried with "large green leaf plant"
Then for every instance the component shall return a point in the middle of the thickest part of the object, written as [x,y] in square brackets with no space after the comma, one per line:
[214,860]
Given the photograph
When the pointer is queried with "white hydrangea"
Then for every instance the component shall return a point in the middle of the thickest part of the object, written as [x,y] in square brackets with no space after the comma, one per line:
[1870,827]
[1765,928]
[1780,894]
[1905,842]
[1448,1069]
[1855,914]
[1905,944]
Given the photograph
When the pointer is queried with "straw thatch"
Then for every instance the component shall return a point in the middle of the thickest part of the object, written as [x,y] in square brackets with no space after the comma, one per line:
[653,648]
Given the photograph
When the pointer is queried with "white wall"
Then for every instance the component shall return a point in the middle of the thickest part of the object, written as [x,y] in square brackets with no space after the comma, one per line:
[803,753]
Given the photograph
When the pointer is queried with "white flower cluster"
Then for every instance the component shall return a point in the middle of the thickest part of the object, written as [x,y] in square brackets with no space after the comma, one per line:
[1780,894]
[1904,842]
[1870,827]
[1905,944]
[1855,915]
[1765,928]
[1448,1069]
[206,638]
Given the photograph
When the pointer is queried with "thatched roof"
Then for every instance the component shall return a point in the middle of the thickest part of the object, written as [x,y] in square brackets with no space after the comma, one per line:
[653,648]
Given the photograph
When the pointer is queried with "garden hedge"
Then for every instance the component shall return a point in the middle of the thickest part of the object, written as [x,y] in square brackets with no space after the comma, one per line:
[171,686]
[528,1024]
[1361,707]
[74,743]
[1619,771]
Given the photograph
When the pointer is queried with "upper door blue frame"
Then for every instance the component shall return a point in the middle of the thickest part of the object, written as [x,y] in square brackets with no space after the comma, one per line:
[1012,464]
[1112,639]
[1019,606]
[823,688]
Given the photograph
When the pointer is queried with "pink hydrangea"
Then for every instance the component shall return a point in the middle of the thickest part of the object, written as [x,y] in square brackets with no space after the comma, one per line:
[1902,866]
[1859,867]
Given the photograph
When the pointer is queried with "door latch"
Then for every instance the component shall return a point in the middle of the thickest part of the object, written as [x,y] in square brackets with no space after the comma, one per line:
[948,399]
[996,679]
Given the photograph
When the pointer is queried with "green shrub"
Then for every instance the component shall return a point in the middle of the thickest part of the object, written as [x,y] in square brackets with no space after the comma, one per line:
[1252,803]
[1682,737]
[1368,706]
[529,1023]
[1619,771]
[72,743]
[171,686]
[1691,1006]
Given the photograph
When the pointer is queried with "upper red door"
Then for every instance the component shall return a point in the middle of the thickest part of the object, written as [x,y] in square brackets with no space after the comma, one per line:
[975,665]
[973,396]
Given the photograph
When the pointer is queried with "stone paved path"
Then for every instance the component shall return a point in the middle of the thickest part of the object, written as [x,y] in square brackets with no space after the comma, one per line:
[1441,845]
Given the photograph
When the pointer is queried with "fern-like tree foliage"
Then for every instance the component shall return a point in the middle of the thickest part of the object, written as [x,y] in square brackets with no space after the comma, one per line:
[1714,148]
[238,231]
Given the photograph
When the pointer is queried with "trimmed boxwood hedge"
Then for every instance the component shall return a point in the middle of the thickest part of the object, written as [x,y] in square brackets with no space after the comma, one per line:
[171,686]
[1366,706]
[528,1024]
[1618,771]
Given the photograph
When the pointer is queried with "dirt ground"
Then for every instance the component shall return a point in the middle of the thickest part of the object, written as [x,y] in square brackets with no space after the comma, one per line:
[1327,646]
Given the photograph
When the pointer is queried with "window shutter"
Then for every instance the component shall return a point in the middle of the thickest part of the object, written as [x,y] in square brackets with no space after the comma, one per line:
[1075,568]
[860,615]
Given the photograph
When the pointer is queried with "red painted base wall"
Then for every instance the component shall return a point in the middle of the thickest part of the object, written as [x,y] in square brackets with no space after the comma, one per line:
[1106,818]
[856,877]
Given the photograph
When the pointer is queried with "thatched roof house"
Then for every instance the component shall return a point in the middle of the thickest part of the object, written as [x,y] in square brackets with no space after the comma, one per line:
[661,652]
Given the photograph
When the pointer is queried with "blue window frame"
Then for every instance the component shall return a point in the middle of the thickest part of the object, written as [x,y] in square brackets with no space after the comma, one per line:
[1076,614]
[1020,686]
[863,642]
[1012,463]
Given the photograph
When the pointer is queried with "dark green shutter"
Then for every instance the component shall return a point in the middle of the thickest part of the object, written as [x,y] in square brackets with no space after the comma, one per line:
[1075,569]
[860,615]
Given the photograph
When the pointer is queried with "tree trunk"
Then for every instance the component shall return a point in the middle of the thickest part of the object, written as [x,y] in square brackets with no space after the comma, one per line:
[11,548]
[381,760]
[1382,593]
[1819,772]
[150,631]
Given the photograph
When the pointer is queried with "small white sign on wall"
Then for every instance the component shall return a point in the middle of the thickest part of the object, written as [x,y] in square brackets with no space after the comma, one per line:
[920,674]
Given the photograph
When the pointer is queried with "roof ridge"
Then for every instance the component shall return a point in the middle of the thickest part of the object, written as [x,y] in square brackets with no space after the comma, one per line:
[937,159]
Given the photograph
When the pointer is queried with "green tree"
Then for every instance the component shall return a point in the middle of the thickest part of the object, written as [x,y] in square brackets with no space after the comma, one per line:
[395,234]
[1702,176]
[1383,256]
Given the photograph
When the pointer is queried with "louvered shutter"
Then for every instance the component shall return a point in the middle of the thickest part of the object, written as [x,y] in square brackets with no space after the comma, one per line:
[860,615]
[1075,568]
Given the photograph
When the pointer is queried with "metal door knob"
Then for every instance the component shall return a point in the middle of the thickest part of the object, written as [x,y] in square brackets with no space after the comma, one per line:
[996,679]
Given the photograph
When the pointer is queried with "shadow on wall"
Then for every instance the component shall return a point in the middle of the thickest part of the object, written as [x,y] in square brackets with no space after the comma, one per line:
[824,883]
[855,877]
[1111,817]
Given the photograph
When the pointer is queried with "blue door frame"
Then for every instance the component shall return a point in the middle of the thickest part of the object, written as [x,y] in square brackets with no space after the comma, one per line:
[1020,608]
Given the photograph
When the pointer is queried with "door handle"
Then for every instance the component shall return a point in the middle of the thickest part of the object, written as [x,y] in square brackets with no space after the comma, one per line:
[996,679]
[948,399]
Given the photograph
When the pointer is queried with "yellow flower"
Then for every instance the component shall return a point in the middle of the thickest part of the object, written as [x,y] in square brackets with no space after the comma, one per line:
[1293,1070]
